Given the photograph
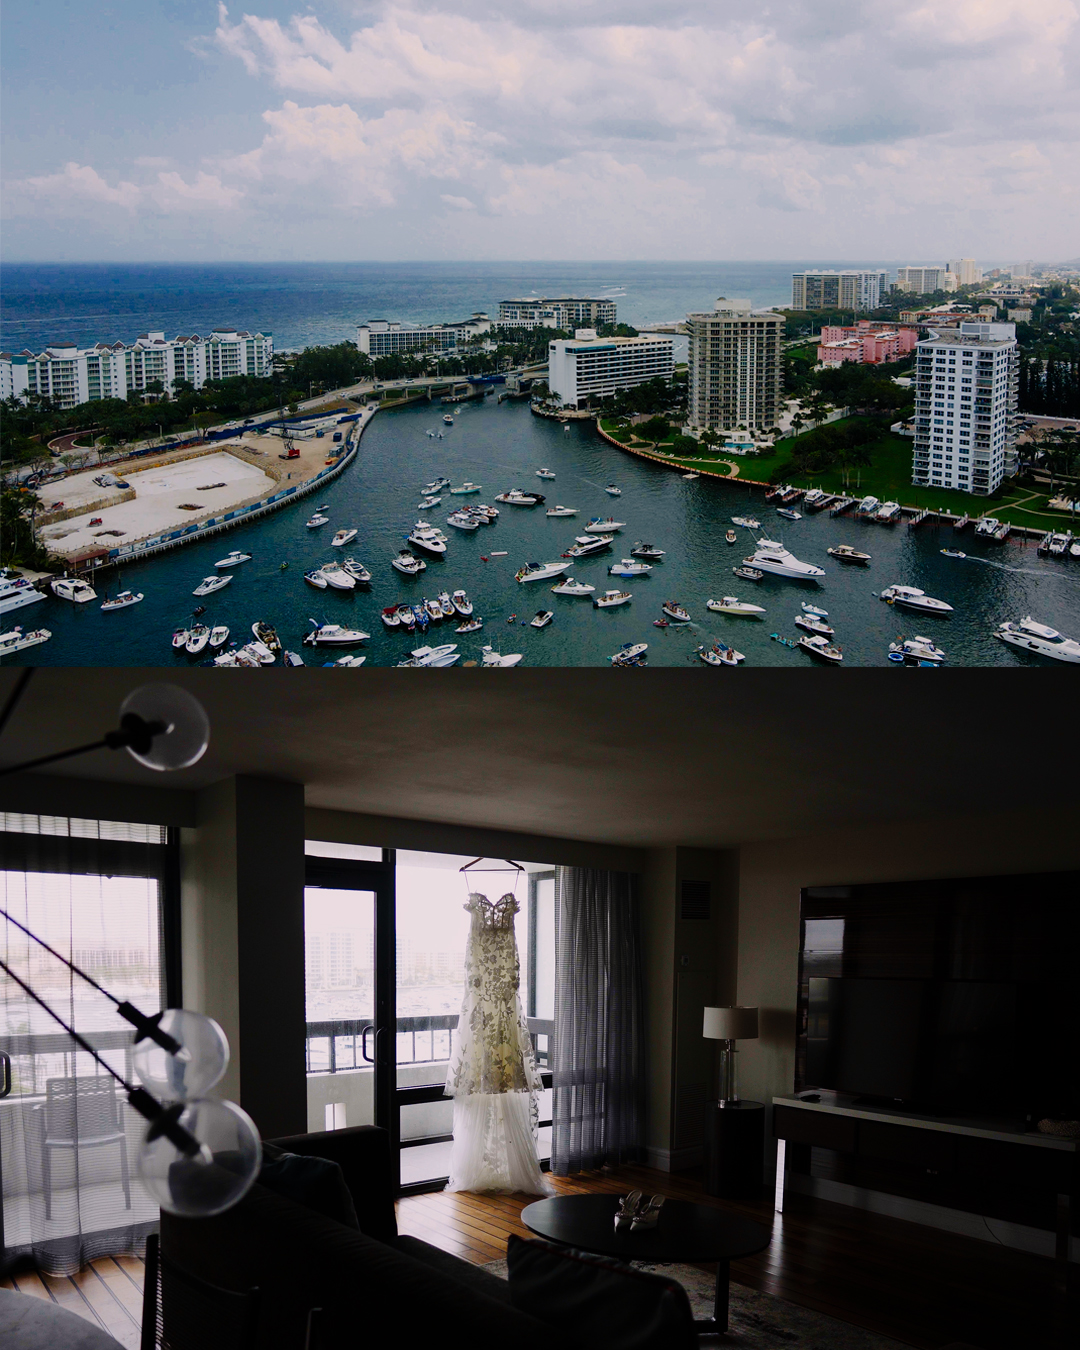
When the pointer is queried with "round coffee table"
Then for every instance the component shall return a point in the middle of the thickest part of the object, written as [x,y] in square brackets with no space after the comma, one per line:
[685,1232]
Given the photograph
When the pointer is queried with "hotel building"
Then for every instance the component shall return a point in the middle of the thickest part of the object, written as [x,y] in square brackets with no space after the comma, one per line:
[734,367]
[381,337]
[838,290]
[965,405]
[586,367]
[867,342]
[569,312]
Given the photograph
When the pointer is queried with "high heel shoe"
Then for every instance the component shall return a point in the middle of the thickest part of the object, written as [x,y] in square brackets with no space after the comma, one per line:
[648,1214]
[628,1207]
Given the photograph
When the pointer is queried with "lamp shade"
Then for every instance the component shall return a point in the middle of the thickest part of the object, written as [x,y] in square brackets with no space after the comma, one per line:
[730,1024]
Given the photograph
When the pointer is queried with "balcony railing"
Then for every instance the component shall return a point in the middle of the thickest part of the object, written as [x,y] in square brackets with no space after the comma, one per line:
[350,1043]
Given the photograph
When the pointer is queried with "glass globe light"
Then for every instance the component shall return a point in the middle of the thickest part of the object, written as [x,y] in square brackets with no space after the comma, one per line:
[187,727]
[213,1178]
[193,1070]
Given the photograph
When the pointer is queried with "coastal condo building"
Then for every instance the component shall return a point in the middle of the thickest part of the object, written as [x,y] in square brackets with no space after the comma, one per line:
[965,407]
[70,375]
[586,367]
[734,367]
[383,337]
[838,290]
[867,342]
[926,280]
[568,312]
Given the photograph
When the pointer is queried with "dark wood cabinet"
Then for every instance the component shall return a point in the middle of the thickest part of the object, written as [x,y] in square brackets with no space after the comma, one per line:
[734,1149]
[819,1129]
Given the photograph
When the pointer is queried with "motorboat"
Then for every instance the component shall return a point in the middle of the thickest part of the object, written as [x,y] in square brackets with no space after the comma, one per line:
[816,610]
[233,559]
[1059,544]
[445,655]
[219,635]
[643,550]
[435,486]
[316,521]
[463,520]
[910,597]
[493,658]
[986,527]
[266,635]
[406,617]
[122,601]
[197,639]
[1074,549]
[598,526]
[484,513]
[610,599]
[867,507]
[846,554]
[772,556]
[589,544]
[747,522]
[465,489]
[337,577]
[390,617]
[777,492]
[17,592]
[571,587]
[292,659]
[1002,532]
[179,638]
[470,626]
[357,571]
[542,619]
[822,648]
[73,589]
[333,635]
[347,661]
[448,419]
[209,585]
[446,605]
[629,568]
[917,649]
[788,513]
[434,610]
[675,611]
[813,497]
[1037,637]
[689,476]
[420,617]
[427,537]
[613,491]
[630,654]
[560,511]
[731,537]
[515,497]
[315,578]
[952,553]
[462,604]
[810,623]
[544,473]
[748,573]
[720,654]
[407,563]
[541,571]
[428,503]
[16,640]
[731,604]
[342,538]
[261,653]
[888,513]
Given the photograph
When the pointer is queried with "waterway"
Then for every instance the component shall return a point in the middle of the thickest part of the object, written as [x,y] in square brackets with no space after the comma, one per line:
[500,447]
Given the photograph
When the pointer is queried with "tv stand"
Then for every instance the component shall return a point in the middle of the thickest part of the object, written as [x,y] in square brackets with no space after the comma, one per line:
[931,1169]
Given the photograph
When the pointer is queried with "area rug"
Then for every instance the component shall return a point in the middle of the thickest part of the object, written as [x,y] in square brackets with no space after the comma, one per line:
[760,1321]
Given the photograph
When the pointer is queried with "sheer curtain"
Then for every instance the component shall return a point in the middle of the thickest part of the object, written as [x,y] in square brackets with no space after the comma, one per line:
[598,1055]
[68,1139]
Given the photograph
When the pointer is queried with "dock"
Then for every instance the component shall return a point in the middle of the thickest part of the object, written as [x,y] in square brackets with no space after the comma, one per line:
[920,516]
[820,503]
[841,505]
[962,522]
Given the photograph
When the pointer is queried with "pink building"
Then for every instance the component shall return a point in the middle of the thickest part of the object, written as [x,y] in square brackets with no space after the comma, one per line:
[868,342]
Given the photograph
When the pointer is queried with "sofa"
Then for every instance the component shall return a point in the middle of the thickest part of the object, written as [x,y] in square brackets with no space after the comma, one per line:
[374,1286]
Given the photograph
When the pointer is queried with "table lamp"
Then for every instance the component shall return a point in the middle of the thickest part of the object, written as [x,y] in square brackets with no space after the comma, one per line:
[729,1025]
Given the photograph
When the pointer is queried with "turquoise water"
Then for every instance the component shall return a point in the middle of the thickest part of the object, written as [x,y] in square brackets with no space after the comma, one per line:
[501,447]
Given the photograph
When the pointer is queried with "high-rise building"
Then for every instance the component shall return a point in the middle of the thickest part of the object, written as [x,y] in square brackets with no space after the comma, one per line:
[734,367]
[381,337]
[925,280]
[586,367]
[965,270]
[567,312]
[850,289]
[965,407]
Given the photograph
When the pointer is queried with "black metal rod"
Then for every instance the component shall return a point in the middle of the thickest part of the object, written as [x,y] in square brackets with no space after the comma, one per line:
[53,952]
[15,695]
[51,759]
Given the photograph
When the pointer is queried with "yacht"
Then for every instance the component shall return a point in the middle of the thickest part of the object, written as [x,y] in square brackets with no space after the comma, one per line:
[810,623]
[846,554]
[333,635]
[916,649]
[1059,544]
[610,599]
[445,655]
[337,577]
[560,511]
[74,589]
[209,585]
[821,647]
[427,537]
[731,604]
[16,640]
[571,587]
[405,562]
[493,658]
[888,513]
[233,559]
[589,544]
[629,568]
[613,491]
[675,611]
[463,520]
[644,550]
[315,578]
[541,571]
[16,592]
[465,489]
[197,639]
[720,654]
[219,635]
[747,522]
[787,513]
[342,538]
[867,507]
[544,473]
[515,497]
[772,556]
[748,573]
[1037,637]
[910,597]
[542,619]
[316,520]
[986,527]
[609,526]
[357,570]
[630,654]
[813,497]
[122,601]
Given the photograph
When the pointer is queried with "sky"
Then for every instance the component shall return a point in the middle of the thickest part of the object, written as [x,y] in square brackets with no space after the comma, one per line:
[181,130]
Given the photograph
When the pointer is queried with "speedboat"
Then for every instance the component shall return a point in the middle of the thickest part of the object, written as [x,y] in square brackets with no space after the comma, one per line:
[813,496]
[420,616]
[598,526]
[560,511]
[347,661]
[910,597]
[428,503]
[610,599]
[266,635]
[342,538]
[846,554]
[986,527]
[465,489]
[493,658]
[586,545]
[179,638]
[952,553]
[446,605]
[542,619]
[315,578]
[731,604]
[572,587]
[810,623]
[16,640]
[541,571]
[292,659]
[405,562]
[1037,637]
[197,639]
[445,655]
[630,654]
[469,626]
[720,654]
[515,497]
[787,513]
[613,491]
[357,570]
[427,537]
[691,475]
[821,647]
[316,520]
[816,610]
[675,611]
[448,419]
[868,506]
[406,617]
[435,486]
[463,520]
[731,537]
[1058,543]
[772,556]
[888,513]
[333,635]
[484,513]
[747,522]
[233,559]
[462,603]
[209,585]
[219,635]
[644,550]
[748,573]
[629,568]
[74,589]
[544,473]
[916,649]
[337,577]
[123,600]
[390,617]
[259,652]
[434,610]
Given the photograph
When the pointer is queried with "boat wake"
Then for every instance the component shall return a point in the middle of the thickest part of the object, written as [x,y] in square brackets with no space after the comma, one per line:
[1025,571]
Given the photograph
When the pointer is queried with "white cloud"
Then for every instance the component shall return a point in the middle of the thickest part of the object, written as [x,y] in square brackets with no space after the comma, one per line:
[70,190]
[172,193]
[457,203]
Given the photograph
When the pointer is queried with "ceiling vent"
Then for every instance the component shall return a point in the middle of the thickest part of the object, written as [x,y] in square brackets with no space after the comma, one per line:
[695,903]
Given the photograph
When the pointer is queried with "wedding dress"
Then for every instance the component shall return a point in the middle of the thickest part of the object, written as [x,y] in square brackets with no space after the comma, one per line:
[492,1074]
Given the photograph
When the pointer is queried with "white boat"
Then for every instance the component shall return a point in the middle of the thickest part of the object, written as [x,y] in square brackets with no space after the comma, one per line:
[821,647]
[428,503]
[1037,637]
[405,562]
[16,640]
[122,601]
[788,513]
[357,570]
[337,577]
[74,589]
[748,573]
[465,489]
[846,554]
[747,522]
[179,638]
[544,473]
[868,506]
[810,623]
[233,559]
[541,571]
[427,537]
[445,655]
[917,649]
[644,550]
[209,585]
[292,659]
[814,609]
[630,654]
[910,597]
[219,635]
[261,653]
[342,538]
[610,599]
[629,568]
[813,496]
[720,654]
[316,521]
[462,603]
[436,485]
[952,553]
[1059,543]
[542,619]
[986,527]
[589,544]
[888,513]
[1074,549]
[613,491]
[461,520]
[515,497]
[433,610]
[267,635]
[560,511]
[691,475]
[198,637]
[315,578]
[493,658]
[446,605]
[772,556]
[482,511]
[675,611]
[346,661]
[731,604]
[470,626]
[572,587]
[390,617]
[608,526]
[448,419]
[333,635]
[17,592]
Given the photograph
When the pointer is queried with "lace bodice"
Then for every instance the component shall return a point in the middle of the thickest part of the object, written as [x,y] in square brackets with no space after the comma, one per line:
[499,914]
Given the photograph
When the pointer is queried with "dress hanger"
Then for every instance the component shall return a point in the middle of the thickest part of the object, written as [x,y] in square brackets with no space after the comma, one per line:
[512,867]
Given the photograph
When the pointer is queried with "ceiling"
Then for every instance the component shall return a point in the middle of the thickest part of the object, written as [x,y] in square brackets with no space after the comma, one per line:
[646,758]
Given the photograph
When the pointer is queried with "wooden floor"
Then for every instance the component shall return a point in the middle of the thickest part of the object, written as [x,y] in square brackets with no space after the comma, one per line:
[917,1285]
